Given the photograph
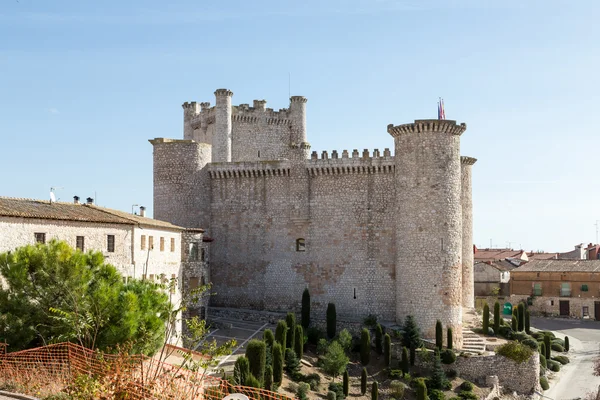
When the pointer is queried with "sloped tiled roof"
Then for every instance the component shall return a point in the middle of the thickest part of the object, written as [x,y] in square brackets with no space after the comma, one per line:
[542,256]
[43,209]
[496,254]
[560,266]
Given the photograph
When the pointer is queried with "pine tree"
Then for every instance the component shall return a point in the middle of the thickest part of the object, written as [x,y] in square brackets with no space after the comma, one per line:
[277,363]
[521,317]
[450,338]
[404,362]
[387,350]
[305,313]
[439,335]
[378,339]
[411,335]
[374,391]
[346,383]
[527,322]
[281,334]
[290,321]
[438,377]
[486,319]
[363,381]
[496,317]
[331,320]
[299,341]
[365,347]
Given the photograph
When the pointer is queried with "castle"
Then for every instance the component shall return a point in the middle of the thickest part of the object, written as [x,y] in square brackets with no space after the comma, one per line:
[372,232]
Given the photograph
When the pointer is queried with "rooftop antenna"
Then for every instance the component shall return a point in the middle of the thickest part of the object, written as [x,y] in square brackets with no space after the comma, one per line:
[52,195]
[134,205]
[596,231]
[289,85]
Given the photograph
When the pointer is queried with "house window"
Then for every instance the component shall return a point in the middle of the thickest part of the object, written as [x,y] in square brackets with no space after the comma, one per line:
[537,289]
[110,245]
[173,283]
[202,255]
[162,243]
[202,281]
[585,311]
[584,288]
[40,237]
[172,245]
[143,242]
[565,289]
[300,245]
[79,243]
[194,250]
[193,283]
[151,242]
[551,302]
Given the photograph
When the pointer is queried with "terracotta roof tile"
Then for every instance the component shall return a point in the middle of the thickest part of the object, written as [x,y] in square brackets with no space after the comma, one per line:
[560,266]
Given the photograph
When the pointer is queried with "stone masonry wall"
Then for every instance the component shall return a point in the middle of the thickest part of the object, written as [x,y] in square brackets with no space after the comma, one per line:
[466,200]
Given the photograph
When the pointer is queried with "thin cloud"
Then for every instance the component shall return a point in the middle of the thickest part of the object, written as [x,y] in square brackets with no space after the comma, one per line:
[53,110]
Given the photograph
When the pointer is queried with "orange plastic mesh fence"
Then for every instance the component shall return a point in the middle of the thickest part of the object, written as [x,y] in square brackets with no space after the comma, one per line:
[54,368]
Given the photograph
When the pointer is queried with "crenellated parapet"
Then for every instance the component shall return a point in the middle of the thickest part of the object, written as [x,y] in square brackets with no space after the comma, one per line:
[387,155]
[467,160]
[428,125]
[298,99]
[249,169]
[223,93]
[356,165]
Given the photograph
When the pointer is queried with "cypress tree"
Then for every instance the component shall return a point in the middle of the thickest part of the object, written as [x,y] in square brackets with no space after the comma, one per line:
[268,379]
[277,363]
[363,381]
[387,350]
[374,391]
[521,316]
[331,320]
[290,321]
[486,319]
[346,383]
[421,390]
[439,335]
[566,343]
[280,335]
[543,349]
[268,337]
[378,339]
[450,338]
[241,370]
[404,361]
[514,323]
[305,312]
[412,355]
[548,346]
[496,317]
[365,347]
[299,341]
[256,353]
[527,321]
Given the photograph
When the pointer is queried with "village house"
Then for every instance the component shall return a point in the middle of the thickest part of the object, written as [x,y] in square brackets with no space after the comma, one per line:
[492,277]
[569,288]
[138,246]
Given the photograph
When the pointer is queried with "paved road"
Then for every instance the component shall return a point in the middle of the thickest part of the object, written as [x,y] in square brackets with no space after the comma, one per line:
[576,379]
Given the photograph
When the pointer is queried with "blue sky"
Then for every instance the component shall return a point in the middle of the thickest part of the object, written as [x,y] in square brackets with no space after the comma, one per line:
[84,84]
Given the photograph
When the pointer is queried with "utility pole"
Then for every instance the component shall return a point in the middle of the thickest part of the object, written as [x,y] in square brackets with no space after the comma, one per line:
[596,231]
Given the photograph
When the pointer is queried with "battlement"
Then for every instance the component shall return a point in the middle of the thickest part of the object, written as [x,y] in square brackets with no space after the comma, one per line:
[355,155]
[223,92]
[249,169]
[165,140]
[298,99]
[467,160]
[357,164]
[428,125]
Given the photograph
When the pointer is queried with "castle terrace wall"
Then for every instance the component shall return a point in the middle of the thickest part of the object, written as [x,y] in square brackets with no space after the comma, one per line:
[259,136]
[348,232]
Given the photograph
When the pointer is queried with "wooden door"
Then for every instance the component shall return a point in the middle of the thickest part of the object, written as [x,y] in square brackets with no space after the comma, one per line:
[564,308]
[597,310]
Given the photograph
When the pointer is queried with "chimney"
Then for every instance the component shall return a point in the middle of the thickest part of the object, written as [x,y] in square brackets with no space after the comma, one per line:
[90,201]
[76,199]
[142,211]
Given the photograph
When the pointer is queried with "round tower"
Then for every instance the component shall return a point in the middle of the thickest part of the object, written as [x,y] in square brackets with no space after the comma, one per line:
[190,111]
[429,224]
[466,200]
[182,190]
[298,133]
[222,133]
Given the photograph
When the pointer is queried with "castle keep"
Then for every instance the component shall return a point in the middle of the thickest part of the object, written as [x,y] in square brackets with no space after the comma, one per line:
[372,232]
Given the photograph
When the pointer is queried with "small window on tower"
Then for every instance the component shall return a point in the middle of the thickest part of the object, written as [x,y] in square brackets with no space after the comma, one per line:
[172,245]
[40,238]
[300,245]
[110,243]
[79,243]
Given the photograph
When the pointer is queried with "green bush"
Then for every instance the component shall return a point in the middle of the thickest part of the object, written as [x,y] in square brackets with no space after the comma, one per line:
[544,383]
[268,378]
[515,351]
[370,320]
[506,332]
[365,347]
[378,339]
[486,318]
[496,317]
[549,333]
[465,395]
[532,343]
[331,321]
[281,334]
[345,340]
[559,341]
[303,389]
[313,335]
[421,389]
[277,363]
[313,380]
[241,370]
[520,336]
[397,390]
[566,343]
[387,350]
[395,373]
[305,311]
[268,337]
[252,381]
[439,335]
[404,361]
[363,381]
[537,335]
[448,356]
[547,346]
[543,362]
[322,346]
[346,383]
[256,353]
[374,391]
[331,395]
[467,386]
[451,373]
[290,321]
[449,338]
[338,389]
[299,341]
[557,347]
[553,365]
[435,394]
[561,359]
